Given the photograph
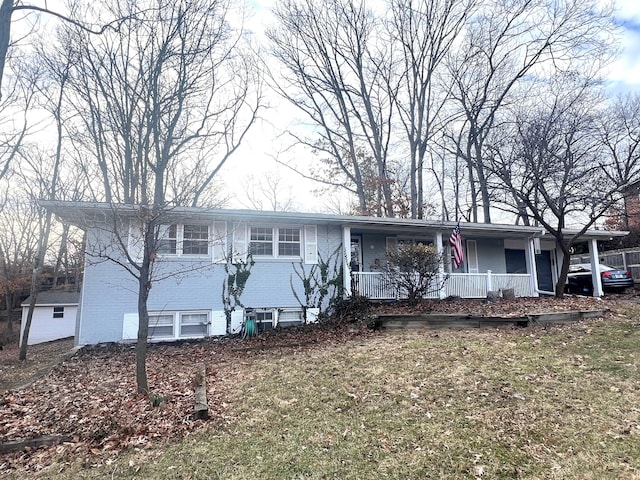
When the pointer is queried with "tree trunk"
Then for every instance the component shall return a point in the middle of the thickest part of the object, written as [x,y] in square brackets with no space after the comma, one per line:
[62,251]
[35,284]
[564,270]
[5,34]
[144,286]
[143,333]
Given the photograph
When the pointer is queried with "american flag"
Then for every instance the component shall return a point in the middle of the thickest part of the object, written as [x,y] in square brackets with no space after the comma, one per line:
[455,240]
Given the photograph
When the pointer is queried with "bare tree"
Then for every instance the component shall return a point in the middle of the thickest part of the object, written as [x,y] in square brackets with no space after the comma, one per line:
[18,246]
[426,32]
[337,72]
[267,191]
[164,102]
[619,131]
[508,45]
[15,108]
[9,7]
[557,168]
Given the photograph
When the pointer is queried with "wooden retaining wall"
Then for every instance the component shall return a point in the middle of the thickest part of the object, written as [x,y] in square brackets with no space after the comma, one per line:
[438,321]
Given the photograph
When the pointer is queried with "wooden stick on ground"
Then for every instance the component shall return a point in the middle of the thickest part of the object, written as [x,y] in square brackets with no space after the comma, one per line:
[201,408]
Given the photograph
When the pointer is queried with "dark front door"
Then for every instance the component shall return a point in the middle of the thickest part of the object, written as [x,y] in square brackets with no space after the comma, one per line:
[545,275]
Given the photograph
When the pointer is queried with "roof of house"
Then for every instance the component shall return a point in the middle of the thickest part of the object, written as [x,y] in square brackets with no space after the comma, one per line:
[52,297]
[83,213]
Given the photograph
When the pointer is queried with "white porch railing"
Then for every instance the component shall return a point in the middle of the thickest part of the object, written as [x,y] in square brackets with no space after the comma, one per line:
[377,286]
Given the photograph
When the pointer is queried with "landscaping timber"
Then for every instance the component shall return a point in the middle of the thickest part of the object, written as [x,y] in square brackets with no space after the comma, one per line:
[437,320]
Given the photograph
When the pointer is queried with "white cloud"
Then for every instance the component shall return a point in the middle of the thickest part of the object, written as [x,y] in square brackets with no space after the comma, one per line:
[625,72]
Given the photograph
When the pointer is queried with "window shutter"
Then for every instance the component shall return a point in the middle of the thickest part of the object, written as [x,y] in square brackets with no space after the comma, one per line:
[130,326]
[219,242]
[218,323]
[240,244]
[310,244]
[135,241]
[237,319]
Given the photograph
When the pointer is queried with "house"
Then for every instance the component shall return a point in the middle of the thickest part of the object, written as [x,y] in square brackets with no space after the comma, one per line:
[298,262]
[54,316]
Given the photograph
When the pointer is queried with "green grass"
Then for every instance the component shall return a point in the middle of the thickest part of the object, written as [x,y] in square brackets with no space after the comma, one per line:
[557,403]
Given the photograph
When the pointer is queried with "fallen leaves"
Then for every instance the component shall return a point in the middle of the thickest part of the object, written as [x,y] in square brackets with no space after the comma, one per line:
[91,398]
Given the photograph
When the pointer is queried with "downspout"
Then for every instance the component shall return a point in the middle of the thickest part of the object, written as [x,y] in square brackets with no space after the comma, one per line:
[530,256]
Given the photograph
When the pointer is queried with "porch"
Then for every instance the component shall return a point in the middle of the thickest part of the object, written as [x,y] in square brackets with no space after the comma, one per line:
[377,285]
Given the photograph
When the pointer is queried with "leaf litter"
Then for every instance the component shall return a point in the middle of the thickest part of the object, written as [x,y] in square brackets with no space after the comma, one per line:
[91,398]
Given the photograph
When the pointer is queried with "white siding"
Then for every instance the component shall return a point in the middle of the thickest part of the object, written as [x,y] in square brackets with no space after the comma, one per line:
[45,328]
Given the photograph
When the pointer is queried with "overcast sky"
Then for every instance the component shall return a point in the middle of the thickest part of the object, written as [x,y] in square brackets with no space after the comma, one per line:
[258,152]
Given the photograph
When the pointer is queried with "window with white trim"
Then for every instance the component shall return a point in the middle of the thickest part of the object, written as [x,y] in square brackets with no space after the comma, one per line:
[178,324]
[288,242]
[275,242]
[193,324]
[264,320]
[184,240]
[161,325]
[58,312]
[288,318]
[261,241]
[168,239]
[195,239]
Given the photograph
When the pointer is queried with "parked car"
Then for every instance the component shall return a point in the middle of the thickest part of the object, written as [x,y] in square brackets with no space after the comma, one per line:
[614,280]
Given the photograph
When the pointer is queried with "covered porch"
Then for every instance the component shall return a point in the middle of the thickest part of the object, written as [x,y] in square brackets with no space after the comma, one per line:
[377,285]
[496,257]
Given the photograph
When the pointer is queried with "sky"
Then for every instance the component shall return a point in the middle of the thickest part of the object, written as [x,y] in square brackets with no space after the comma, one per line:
[265,142]
[625,73]
[264,146]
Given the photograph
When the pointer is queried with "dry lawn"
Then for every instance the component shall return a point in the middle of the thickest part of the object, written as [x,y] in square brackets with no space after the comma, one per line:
[542,403]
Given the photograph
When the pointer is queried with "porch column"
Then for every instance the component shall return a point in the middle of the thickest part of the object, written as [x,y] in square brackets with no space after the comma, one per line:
[440,251]
[530,257]
[346,261]
[595,268]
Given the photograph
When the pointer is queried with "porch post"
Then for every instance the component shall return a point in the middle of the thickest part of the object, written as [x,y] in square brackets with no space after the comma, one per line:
[530,256]
[442,293]
[346,261]
[595,268]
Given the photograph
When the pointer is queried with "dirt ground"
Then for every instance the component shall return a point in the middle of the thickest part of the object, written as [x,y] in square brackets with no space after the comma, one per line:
[40,358]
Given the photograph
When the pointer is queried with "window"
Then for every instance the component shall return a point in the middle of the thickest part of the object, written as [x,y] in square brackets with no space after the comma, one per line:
[58,312]
[193,324]
[181,240]
[181,324]
[264,320]
[261,241]
[160,325]
[289,242]
[195,240]
[168,239]
[289,318]
[275,242]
